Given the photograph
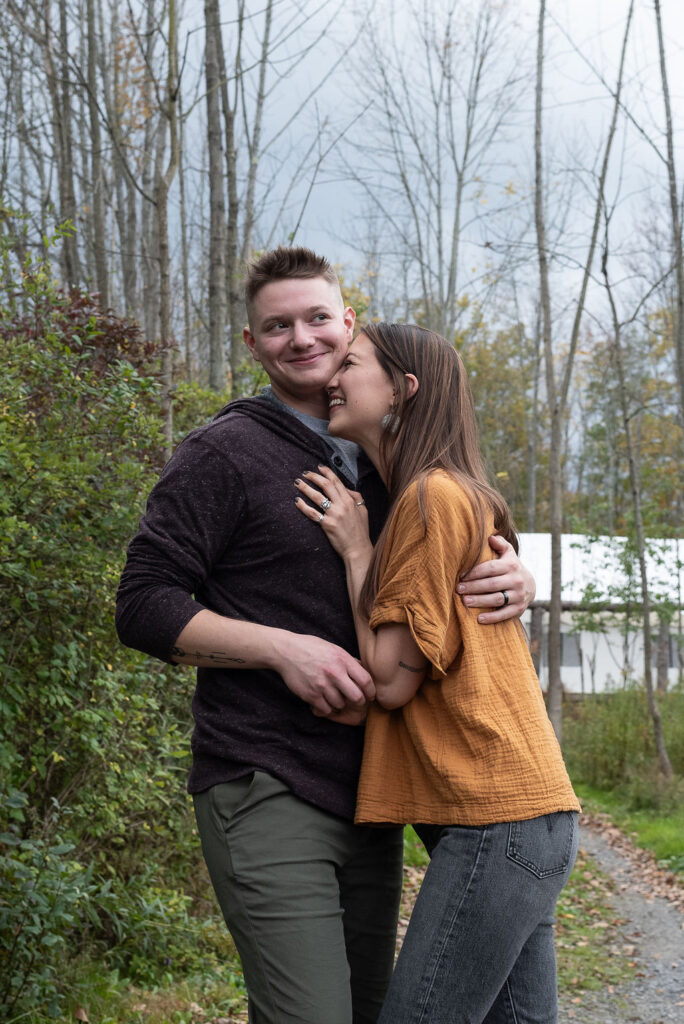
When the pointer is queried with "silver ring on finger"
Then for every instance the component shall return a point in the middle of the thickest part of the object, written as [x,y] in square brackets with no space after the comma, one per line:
[325,504]
[321,517]
[505,598]
[362,502]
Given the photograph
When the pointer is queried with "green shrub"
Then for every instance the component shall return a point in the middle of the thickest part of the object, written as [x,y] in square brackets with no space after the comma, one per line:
[43,893]
[608,744]
[98,837]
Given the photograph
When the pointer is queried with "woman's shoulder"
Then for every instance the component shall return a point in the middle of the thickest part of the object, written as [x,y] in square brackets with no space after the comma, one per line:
[440,493]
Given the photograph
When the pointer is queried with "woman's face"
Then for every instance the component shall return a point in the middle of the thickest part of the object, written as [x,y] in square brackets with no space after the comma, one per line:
[359,395]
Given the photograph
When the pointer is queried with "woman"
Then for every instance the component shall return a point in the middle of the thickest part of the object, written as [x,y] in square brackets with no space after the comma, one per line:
[458,742]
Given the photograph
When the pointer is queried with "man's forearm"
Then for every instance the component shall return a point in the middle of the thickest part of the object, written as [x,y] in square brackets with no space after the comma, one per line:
[214,641]
[318,672]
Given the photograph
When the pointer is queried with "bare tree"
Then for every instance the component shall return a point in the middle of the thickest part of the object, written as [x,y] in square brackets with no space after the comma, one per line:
[162,187]
[217,210]
[442,91]
[558,385]
[677,252]
[636,489]
[98,183]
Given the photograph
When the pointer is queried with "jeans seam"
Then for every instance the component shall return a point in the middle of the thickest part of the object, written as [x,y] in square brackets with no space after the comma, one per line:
[421,1017]
[514,1015]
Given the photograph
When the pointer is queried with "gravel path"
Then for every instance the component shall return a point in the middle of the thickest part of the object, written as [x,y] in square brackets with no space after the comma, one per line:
[650,905]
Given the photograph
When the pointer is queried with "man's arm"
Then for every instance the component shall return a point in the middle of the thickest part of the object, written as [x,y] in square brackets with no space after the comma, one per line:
[320,673]
[185,529]
[484,586]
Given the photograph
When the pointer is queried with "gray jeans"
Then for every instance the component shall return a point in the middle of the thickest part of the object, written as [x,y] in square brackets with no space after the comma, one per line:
[479,947]
[310,899]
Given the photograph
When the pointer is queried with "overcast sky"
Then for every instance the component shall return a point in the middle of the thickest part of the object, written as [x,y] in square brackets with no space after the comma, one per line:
[582,35]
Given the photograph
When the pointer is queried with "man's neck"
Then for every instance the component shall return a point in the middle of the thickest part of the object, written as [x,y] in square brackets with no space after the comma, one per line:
[312,405]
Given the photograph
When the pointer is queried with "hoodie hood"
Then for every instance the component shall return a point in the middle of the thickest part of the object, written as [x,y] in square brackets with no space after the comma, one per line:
[284,424]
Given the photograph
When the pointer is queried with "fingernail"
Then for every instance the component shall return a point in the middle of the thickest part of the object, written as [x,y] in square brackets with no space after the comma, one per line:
[460,588]
[467,600]
[298,481]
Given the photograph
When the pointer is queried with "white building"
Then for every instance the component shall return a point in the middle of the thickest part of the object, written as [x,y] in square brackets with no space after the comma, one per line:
[600,650]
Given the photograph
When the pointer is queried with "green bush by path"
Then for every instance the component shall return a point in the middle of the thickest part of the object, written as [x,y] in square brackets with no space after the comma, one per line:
[609,749]
[608,741]
[97,836]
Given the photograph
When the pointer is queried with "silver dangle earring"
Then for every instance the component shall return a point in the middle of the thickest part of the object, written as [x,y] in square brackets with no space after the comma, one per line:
[391,422]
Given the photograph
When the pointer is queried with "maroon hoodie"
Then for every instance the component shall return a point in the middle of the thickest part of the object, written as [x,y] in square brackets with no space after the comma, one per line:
[222,531]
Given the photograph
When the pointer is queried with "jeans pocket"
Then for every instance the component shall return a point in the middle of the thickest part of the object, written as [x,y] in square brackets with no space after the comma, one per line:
[546,845]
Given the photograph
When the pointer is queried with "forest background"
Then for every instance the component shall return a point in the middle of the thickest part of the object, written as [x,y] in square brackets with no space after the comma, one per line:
[507,173]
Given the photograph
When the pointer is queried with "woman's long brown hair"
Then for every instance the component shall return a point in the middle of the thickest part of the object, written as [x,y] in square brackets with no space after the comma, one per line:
[433,429]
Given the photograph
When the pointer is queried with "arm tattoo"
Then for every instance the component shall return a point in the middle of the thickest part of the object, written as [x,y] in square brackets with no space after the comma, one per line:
[219,657]
[410,668]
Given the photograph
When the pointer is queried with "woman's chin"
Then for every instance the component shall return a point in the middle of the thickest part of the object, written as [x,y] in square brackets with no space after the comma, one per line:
[337,428]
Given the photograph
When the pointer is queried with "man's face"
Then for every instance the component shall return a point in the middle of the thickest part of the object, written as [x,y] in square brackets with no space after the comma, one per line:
[299,332]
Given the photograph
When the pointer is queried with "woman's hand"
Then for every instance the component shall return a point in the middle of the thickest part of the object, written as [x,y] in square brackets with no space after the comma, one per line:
[341,513]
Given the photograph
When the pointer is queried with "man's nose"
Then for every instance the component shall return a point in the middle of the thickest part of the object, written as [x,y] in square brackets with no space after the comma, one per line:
[302,335]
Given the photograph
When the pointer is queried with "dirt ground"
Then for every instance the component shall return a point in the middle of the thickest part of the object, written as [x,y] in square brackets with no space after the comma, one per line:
[650,905]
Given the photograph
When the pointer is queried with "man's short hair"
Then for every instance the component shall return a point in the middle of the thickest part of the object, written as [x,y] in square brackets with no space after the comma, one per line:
[282,263]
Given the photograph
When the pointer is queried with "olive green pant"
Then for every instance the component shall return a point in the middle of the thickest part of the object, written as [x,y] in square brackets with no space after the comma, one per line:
[310,899]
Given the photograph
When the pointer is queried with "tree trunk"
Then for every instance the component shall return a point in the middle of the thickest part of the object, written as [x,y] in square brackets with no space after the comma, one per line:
[170,115]
[635,486]
[97,171]
[557,396]
[555,691]
[217,210]
[185,262]
[533,431]
[232,238]
[663,654]
[677,254]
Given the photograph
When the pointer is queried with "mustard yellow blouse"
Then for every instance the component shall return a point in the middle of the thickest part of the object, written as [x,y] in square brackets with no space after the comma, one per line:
[475,745]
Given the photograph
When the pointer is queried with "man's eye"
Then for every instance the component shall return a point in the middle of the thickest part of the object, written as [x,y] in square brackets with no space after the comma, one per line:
[321,316]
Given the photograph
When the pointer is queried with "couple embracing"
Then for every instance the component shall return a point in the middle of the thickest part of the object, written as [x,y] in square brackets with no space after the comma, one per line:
[323,554]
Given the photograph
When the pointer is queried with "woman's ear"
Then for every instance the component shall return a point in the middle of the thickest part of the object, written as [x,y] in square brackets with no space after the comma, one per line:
[412,384]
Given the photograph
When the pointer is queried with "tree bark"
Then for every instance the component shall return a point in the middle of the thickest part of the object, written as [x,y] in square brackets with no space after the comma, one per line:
[663,654]
[677,253]
[97,170]
[170,115]
[557,393]
[217,209]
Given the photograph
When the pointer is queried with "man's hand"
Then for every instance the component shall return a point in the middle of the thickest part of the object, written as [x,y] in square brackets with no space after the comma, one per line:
[323,675]
[320,673]
[487,584]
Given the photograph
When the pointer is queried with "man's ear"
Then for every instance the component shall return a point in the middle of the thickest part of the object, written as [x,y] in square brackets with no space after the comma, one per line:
[412,384]
[349,319]
[250,342]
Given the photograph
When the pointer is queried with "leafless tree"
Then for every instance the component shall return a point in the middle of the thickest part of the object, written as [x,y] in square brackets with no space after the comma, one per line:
[675,213]
[558,384]
[443,83]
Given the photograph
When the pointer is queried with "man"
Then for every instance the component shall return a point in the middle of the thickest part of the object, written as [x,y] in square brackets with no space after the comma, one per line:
[226,574]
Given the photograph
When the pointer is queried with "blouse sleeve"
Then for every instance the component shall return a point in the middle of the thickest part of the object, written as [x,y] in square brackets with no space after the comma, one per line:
[422,564]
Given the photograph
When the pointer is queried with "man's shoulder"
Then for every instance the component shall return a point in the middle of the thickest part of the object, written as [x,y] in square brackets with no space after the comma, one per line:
[242,417]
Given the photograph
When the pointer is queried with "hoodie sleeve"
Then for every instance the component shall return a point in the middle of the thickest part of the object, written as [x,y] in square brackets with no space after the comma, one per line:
[190,518]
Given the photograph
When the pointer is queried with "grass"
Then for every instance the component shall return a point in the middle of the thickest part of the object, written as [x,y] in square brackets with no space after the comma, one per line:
[660,830]
[589,951]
